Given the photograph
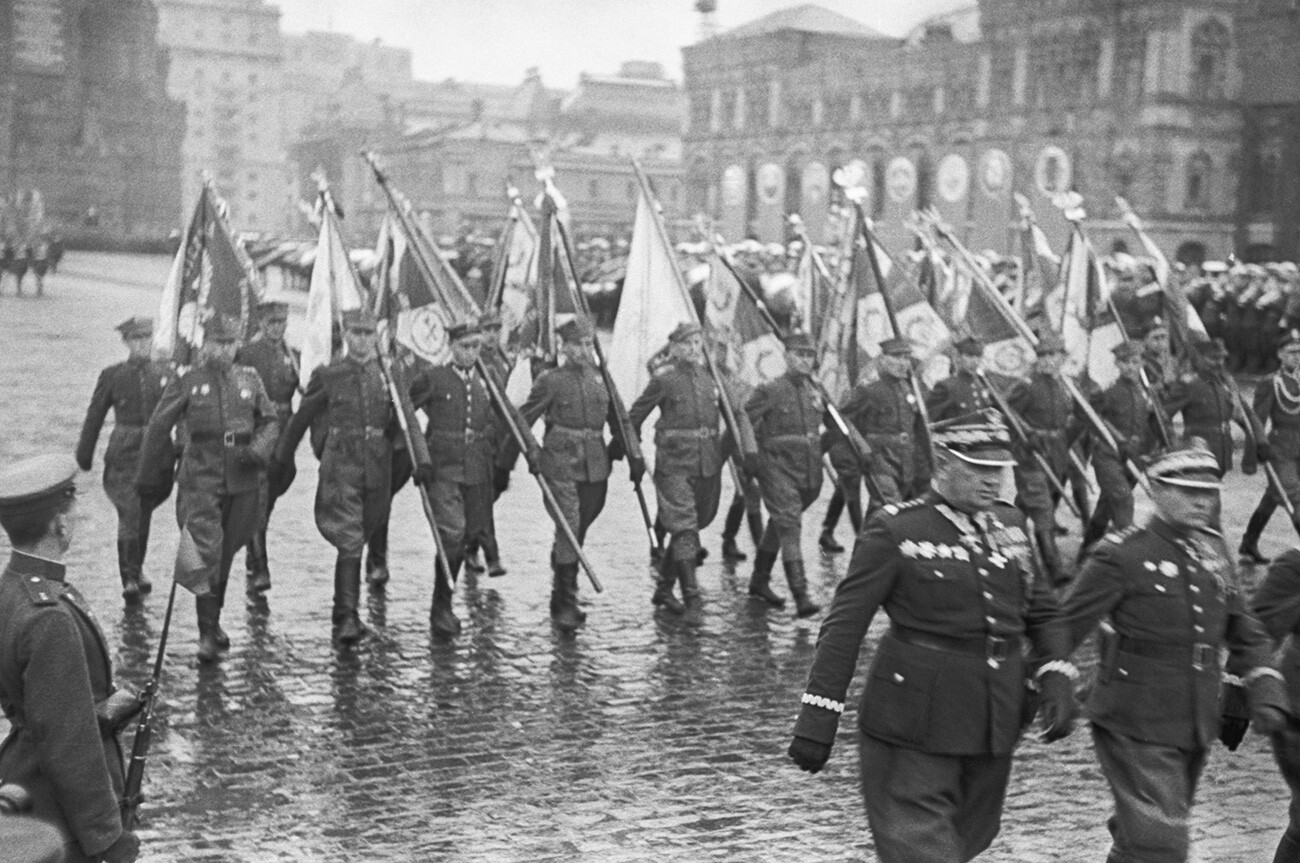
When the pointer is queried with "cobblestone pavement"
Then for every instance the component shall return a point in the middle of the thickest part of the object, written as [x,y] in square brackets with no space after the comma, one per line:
[637,740]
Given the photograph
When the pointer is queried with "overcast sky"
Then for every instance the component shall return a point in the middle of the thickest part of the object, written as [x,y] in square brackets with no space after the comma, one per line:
[496,40]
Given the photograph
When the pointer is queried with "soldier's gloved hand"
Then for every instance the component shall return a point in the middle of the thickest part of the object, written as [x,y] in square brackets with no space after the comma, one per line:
[1232,729]
[116,710]
[810,755]
[1268,719]
[1263,451]
[636,467]
[423,474]
[534,462]
[249,457]
[615,450]
[500,479]
[85,464]
[125,850]
[749,463]
[1059,707]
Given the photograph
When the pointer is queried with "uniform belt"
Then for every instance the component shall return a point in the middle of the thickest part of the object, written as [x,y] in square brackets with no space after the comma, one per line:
[1201,654]
[227,438]
[995,647]
[810,437]
[450,434]
[354,431]
[587,433]
[700,433]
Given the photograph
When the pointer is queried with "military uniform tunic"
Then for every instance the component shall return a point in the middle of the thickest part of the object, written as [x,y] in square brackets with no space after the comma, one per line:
[786,415]
[945,699]
[1277,605]
[54,669]
[1047,409]
[132,389]
[1129,412]
[958,396]
[576,406]
[1277,405]
[886,413]
[1208,408]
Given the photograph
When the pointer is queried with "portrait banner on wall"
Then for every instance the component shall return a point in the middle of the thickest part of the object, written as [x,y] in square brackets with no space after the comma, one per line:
[814,199]
[769,215]
[734,202]
[992,205]
[952,192]
[1053,176]
[899,203]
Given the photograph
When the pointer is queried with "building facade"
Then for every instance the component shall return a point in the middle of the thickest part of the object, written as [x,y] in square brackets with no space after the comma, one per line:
[227,65]
[1144,99]
[85,117]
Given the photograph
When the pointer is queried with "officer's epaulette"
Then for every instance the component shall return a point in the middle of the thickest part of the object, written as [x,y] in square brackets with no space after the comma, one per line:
[41,591]
[1119,536]
[896,508]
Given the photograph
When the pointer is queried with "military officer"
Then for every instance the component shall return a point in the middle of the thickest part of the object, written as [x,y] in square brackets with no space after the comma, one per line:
[354,491]
[56,681]
[888,416]
[573,458]
[786,415]
[946,699]
[132,389]
[1174,601]
[964,392]
[1046,408]
[461,434]
[1277,407]
[688,461]
[232,428]
[277,365]
[1132,417]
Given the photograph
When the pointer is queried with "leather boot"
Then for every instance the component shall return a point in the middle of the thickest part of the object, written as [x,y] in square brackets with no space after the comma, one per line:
[794,576]
[492,555]
[206,611]
[827,542]
[730,527]
[377,558]
[442,621]
[755,519]
[731,552]
[472,563]
[566,616]
[690,592]
[142,549]
[347,596]
[1249,548]
[663,595]
[1288,849]
[259,571]
[127,554]
[760,582]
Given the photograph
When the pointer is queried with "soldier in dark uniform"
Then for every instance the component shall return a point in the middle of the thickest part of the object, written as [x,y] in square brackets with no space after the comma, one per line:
[1277,407]
[132,389]
[22,260]
[573,457]
[688,461]
[786,415]
[232,428]
[277,365]
[353,493]
[1174,602]
[1208,403]
[40,263]
[888,416]
[1047,409]
[1131,416]
[462,437]
[56,680]
[485,536]
[946,700]
[964,392]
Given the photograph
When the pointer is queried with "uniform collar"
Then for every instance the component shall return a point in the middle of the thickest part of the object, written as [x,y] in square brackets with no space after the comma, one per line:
[31,564]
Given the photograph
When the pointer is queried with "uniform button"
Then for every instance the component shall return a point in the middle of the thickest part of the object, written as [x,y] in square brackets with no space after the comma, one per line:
[1197,609]
[983,571]
[988,595]
[990,619]
[1195,589]
[1199,628]
[35,578]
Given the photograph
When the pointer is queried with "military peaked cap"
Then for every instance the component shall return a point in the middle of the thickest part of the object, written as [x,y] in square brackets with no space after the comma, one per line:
[36,483]
[136,328]
[1191,465]
[980,439]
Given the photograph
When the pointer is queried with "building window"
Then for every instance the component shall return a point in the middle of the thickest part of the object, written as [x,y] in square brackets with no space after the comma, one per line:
[1197,193]
[701,112]
[756,107]
[593,190]
[1211,45]
[1130,65]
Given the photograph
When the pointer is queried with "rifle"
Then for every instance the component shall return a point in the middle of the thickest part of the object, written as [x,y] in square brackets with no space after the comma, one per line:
[1274,481]
[132,788]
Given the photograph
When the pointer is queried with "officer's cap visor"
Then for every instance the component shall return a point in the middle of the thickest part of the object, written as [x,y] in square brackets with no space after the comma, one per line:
[1204,481]
[984,456]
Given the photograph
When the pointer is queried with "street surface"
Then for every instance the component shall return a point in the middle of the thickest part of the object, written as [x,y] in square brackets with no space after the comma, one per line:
[637,740]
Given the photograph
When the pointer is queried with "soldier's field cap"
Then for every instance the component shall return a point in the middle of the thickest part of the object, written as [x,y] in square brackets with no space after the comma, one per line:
[1127,351]
[684,331]
[222,328]
[37,483]
[576,329]
[358,321]
[980,439]
[463,330]
[1191,465]
[801,343]
[273,310]
[136,328]
[1050,343]
[896,347]
[970,347]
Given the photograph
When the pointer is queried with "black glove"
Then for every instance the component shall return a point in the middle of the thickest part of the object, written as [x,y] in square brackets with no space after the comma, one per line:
[1059,707]
[810,755]
[423,474]
[615,450]
[533,457]
[124,850]
[749,463]
[636,467]
[1232,729]
[1263,451]
[280,475]
[85,464]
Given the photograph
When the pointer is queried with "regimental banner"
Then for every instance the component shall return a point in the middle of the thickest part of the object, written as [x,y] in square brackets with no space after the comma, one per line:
[1053,175]
[814,199]
[769,192]
[735,199]
[899,204]
[952,191]
[992,206]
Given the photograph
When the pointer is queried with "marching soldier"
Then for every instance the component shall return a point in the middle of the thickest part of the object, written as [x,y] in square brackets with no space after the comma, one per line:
[1131,416]
[231,427]
[1208,403]
[964,393]
[1174,601]
[970,622]
[485,537]
[461,434]
[688,461]
[354,491]
[1048,413]
[56,681]
[786,415]
[847,493]
[573,457]
[1277,407]
[132,389]
[887,415]
[277,365]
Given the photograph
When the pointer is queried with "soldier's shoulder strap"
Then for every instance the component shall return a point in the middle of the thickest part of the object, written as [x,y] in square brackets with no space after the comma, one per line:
[1119,537]
[897,508]
[41,591]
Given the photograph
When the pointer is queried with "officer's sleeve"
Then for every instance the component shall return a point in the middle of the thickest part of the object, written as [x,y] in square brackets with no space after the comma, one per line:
[313,403]
[266,422]
[645,403]
[760,402]
[1263,401]
[157,453]
[1250,656]
[1277,600]
[539,399]
[872,571]
[100,401]
[1098,589]
[59,712]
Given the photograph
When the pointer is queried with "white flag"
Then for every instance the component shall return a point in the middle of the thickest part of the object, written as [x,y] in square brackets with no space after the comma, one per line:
[333,291]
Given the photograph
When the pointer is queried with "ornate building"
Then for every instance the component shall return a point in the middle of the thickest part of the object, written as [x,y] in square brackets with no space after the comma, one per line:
[85,118]
[1139,98]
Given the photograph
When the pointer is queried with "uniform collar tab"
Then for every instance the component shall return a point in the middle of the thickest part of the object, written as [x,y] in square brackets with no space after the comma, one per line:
[33,564]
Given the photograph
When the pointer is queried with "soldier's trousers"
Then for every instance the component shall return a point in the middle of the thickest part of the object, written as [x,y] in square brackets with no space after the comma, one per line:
[1115,502]
[1037,500]
[925,808]
[785,505]
[461,511]
[1153,787]
[134,513]
[347,515]
[580,503]
[848,490]
[686,505]
[220,525]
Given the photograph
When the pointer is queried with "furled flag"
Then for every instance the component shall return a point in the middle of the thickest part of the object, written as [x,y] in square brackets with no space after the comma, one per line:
[1039,265]
[749,349]
[211,274]
[1078,310]
[333,290]
[813,292]
[404,297]
[916,318]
